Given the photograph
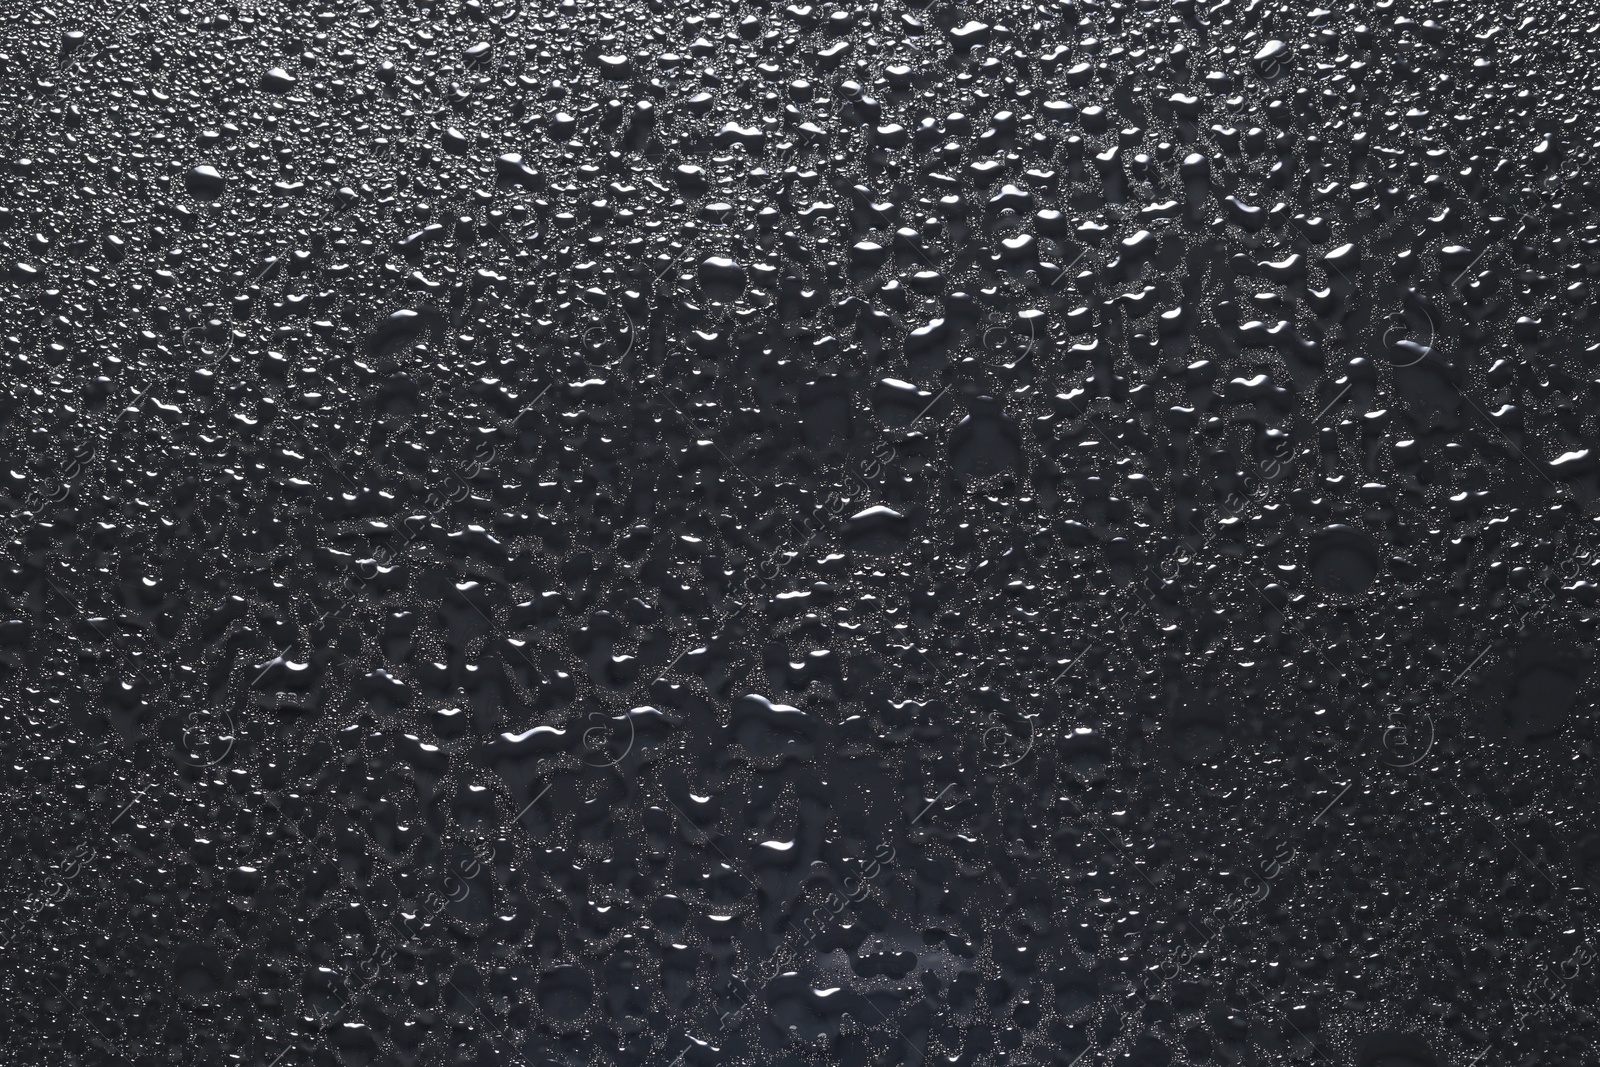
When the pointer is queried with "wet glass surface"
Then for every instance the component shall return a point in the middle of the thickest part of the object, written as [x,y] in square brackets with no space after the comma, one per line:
[895,533]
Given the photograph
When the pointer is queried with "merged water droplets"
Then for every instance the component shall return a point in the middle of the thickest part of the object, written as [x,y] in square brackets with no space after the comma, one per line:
[875,533]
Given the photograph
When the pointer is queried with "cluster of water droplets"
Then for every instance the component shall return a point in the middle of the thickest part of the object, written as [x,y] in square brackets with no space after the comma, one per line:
[872,533]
